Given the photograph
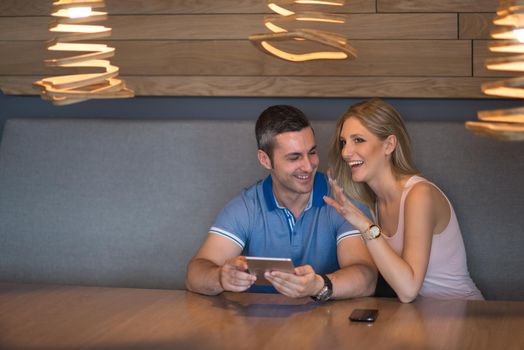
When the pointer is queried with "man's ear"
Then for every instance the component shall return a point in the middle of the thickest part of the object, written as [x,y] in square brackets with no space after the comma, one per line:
[264,159]
[390,143]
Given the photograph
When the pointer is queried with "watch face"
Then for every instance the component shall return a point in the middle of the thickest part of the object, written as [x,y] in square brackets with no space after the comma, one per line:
[374,231]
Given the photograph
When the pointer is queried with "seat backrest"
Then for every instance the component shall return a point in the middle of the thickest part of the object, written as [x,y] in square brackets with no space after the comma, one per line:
[127,202]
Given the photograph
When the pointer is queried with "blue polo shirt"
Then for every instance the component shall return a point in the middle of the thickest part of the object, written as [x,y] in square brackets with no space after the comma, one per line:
[259,226]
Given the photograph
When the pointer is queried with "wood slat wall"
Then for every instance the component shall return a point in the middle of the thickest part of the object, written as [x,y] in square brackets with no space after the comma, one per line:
[406,48]
[218,27]
[155,7]
[475,25]
[437,5]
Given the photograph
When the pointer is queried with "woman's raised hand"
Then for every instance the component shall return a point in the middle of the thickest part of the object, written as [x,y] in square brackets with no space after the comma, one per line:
[346,208]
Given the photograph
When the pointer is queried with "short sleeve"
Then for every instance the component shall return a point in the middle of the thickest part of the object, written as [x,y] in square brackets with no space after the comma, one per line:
[233,221]
[344,228]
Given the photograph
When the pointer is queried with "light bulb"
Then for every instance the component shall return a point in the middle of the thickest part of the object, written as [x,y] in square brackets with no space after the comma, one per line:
[519,33]
[79,12]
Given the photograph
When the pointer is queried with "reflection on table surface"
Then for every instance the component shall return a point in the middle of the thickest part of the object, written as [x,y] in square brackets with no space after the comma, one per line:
[66,317]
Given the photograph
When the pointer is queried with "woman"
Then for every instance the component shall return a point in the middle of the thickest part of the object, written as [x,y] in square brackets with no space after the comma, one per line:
[416,244]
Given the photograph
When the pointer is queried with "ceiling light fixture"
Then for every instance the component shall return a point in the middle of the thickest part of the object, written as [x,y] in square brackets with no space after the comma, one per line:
[505,124]
[69,26]
[286,15]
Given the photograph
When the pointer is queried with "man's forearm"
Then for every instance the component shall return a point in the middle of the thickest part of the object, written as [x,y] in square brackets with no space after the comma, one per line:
[354,281]
[203,276]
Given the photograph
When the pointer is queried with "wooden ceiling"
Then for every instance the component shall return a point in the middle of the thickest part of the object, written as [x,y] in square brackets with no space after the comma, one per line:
[406,48]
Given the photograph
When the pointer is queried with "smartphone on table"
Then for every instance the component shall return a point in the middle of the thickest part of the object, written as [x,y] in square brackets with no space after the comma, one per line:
[364,315]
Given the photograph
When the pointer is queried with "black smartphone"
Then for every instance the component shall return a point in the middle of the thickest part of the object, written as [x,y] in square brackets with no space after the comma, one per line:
[364,315]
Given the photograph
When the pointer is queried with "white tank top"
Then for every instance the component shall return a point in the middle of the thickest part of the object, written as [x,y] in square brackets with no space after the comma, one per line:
[447,276]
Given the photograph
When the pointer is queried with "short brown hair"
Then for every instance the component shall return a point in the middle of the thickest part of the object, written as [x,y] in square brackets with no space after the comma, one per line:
[277,120]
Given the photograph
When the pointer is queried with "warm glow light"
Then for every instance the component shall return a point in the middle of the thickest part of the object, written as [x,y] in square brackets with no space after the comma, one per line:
[513,87]
[505,124]
[504,92]
[280,10]
[344,51]
[280,31]
[509,46]
[307,2]
[313,19]
[94,76]
[274,28]
[333,55]
[504,34]
[499,131]
[73,28]
[509,18]
[305,17]
[79,12]
[320,2]
[519,33]
[513,115]
[513,63]
[511,66]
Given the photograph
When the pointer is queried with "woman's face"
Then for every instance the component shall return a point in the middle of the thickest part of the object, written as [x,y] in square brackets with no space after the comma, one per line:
[362,150]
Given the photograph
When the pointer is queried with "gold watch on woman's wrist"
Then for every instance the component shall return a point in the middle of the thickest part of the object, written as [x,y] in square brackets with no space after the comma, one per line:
[372,233]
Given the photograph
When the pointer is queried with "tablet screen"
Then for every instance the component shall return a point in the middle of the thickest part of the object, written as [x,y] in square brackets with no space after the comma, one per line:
[258,265]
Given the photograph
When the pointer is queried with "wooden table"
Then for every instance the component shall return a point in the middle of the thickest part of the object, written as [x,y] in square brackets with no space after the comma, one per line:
[69,317]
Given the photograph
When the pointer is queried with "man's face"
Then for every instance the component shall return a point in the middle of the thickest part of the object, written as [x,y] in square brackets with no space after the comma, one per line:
[295,162]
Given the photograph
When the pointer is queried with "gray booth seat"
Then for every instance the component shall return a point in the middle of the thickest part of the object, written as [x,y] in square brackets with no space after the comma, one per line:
[127,203]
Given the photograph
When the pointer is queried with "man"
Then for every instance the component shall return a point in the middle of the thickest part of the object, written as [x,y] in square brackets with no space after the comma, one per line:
[284,216]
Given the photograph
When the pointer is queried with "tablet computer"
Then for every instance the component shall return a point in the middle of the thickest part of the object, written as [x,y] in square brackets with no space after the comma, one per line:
[258,265]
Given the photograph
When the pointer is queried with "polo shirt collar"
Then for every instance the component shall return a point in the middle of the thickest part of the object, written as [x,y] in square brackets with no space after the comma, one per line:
[320,189]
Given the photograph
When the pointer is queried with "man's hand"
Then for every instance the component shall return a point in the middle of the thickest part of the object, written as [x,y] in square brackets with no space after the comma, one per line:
[305,282]
[233,275]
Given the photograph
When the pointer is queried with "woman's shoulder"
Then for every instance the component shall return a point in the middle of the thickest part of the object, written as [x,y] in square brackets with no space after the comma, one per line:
[419,190]
[425,196]
[420,184]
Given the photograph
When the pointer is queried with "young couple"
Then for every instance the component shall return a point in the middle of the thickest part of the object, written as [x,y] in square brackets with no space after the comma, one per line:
[413,237]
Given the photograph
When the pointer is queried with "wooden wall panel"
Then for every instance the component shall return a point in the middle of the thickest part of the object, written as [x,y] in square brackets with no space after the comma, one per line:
[437,5]
[25,7]
[24,28]
[180,27]
[141,7]
[357,26]
[480,54]
[475,25]
[238,58]
[417,87]
[406,48]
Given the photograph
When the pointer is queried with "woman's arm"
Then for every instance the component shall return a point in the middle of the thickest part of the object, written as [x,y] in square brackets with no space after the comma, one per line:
[357,275]
[404,273]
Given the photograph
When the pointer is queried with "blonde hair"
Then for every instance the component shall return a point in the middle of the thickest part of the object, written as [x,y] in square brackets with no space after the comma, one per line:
[382,120]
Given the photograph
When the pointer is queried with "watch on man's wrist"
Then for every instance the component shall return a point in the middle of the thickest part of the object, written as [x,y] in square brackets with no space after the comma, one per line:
[372,233]
[327,290]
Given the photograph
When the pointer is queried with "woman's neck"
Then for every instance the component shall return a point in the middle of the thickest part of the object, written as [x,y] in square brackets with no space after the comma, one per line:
[388,186]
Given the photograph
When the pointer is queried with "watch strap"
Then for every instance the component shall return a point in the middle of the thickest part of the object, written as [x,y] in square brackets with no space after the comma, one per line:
[326,291]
